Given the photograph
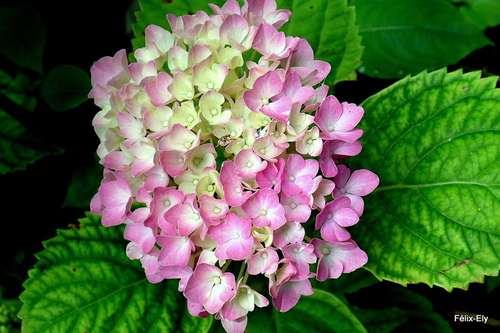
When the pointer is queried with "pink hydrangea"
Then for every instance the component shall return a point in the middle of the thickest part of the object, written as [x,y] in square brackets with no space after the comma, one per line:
[218,165]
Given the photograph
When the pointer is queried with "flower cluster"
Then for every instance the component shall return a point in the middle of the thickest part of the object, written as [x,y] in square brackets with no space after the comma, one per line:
[220,144]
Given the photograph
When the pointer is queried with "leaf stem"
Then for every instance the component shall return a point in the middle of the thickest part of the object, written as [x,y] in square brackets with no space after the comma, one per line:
[226,265]
[242,269]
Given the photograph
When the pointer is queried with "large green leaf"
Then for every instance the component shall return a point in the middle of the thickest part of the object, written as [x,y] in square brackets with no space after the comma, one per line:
[84,185]
[398,309]
[84,282]
[321,312]
[434,141]
[406,36]
[22,36]
[18,146]
[486,13]
[65,87]
[329,27]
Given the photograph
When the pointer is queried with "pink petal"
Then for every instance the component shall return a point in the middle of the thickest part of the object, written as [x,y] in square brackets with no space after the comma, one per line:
[234,29]
[268,85]
[173,161]
[351,115]
[157,89]
[289,294]
[279,110]
[264,261]
[362,182]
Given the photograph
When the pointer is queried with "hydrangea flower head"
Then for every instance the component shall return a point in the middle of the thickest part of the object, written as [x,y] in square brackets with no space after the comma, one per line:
[225,137]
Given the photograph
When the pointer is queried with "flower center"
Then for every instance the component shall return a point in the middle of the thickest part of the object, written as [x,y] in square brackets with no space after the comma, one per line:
[325,251]
[217,280]
[263,212]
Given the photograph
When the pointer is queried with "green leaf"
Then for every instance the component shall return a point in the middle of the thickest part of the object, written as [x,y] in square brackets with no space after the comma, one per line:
[381,320]
[320,312]
[486,13]
[84,185]
[18,146]
[405,36]
[399,307]
[491,283]
[433,139]
[347,283]
[9,308]
[329,27]
[84,282]
[22,36]
[65,87]
[18,89]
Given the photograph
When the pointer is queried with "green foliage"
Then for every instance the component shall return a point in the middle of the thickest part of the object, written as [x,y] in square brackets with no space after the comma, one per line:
[8,314]
[18,89]
[485,13]
[22,36]
[432,138]
[401,310]
[23,84]
[433,141]
[18,146]
[320,312]
[84,282]
[65,87]
[331,31]
[405,37]
[84,184]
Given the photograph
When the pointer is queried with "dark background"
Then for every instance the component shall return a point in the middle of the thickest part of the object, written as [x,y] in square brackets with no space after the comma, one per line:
[79,33]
